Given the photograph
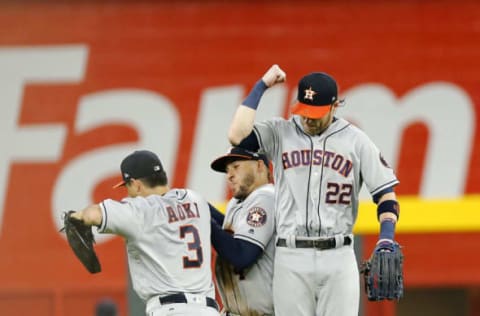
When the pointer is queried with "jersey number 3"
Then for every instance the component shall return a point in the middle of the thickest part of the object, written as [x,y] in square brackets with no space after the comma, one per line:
[194,245]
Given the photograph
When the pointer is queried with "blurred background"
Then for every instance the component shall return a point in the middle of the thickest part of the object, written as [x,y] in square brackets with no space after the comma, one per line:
[83,83]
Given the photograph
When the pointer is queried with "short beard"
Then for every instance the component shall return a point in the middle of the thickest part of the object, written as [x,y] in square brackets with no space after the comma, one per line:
[316,130]
[243,189]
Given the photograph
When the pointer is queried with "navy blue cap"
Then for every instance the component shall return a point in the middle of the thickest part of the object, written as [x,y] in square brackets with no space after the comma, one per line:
[316,92]
[234,154]
[139,164]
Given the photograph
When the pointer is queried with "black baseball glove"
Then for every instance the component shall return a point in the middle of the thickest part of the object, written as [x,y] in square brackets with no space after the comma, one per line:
[81,240]
[383,272]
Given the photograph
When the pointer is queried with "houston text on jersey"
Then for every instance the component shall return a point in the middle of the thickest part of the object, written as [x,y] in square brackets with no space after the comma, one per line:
[305,157]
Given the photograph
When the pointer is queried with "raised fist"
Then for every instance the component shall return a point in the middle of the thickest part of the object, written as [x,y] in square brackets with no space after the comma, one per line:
[274,75]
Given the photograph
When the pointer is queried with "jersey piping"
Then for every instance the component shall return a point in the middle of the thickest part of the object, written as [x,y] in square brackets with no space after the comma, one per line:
[383,186]
[321,177]
[104,218]
[309,177]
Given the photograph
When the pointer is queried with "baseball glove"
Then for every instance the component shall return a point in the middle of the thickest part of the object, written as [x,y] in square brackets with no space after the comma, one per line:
[383,272]
[81,240]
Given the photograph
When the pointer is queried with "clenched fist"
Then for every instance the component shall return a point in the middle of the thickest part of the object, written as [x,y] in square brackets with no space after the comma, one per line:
[274,75]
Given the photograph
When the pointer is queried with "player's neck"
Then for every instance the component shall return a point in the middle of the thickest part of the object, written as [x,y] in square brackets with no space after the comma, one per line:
[162,189]
[260,182]
[159,190]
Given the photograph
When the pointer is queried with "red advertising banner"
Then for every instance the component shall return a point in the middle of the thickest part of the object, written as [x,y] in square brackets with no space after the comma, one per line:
[83,84]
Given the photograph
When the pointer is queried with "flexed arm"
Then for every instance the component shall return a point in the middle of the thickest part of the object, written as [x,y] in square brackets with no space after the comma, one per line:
[243,119]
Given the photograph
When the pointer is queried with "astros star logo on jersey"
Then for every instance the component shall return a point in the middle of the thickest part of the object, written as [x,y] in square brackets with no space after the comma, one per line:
[309,93]
[256,217]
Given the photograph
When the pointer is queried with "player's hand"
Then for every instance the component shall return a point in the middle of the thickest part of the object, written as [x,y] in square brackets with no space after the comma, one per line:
[77,216]
[274,75]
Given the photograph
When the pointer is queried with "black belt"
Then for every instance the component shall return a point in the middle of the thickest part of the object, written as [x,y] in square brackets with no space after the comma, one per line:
[181,298]
[318,243]
[232,314]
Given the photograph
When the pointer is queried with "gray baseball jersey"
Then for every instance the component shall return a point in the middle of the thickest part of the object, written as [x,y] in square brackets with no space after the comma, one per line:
[251,220]
[167,240]
[318,178]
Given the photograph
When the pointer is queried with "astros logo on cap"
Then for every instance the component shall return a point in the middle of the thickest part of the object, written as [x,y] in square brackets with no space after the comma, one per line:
[309,93]
[316,94]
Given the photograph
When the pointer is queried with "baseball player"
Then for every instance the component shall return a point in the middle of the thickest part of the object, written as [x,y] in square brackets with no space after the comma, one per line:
[245,246]
[167,235]
[320,163]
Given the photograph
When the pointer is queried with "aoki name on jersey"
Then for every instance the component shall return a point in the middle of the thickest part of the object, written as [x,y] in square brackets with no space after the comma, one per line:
[329,159]
[182,212]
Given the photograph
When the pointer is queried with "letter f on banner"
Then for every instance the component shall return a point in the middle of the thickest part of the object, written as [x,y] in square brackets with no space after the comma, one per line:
[32,143]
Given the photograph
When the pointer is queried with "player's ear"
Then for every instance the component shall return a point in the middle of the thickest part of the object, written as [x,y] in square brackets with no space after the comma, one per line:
[335,106]
[261,167]
[136,185]
[260,164]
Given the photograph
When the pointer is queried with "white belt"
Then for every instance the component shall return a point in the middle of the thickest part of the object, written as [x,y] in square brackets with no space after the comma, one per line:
[233,314]
[179,298]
